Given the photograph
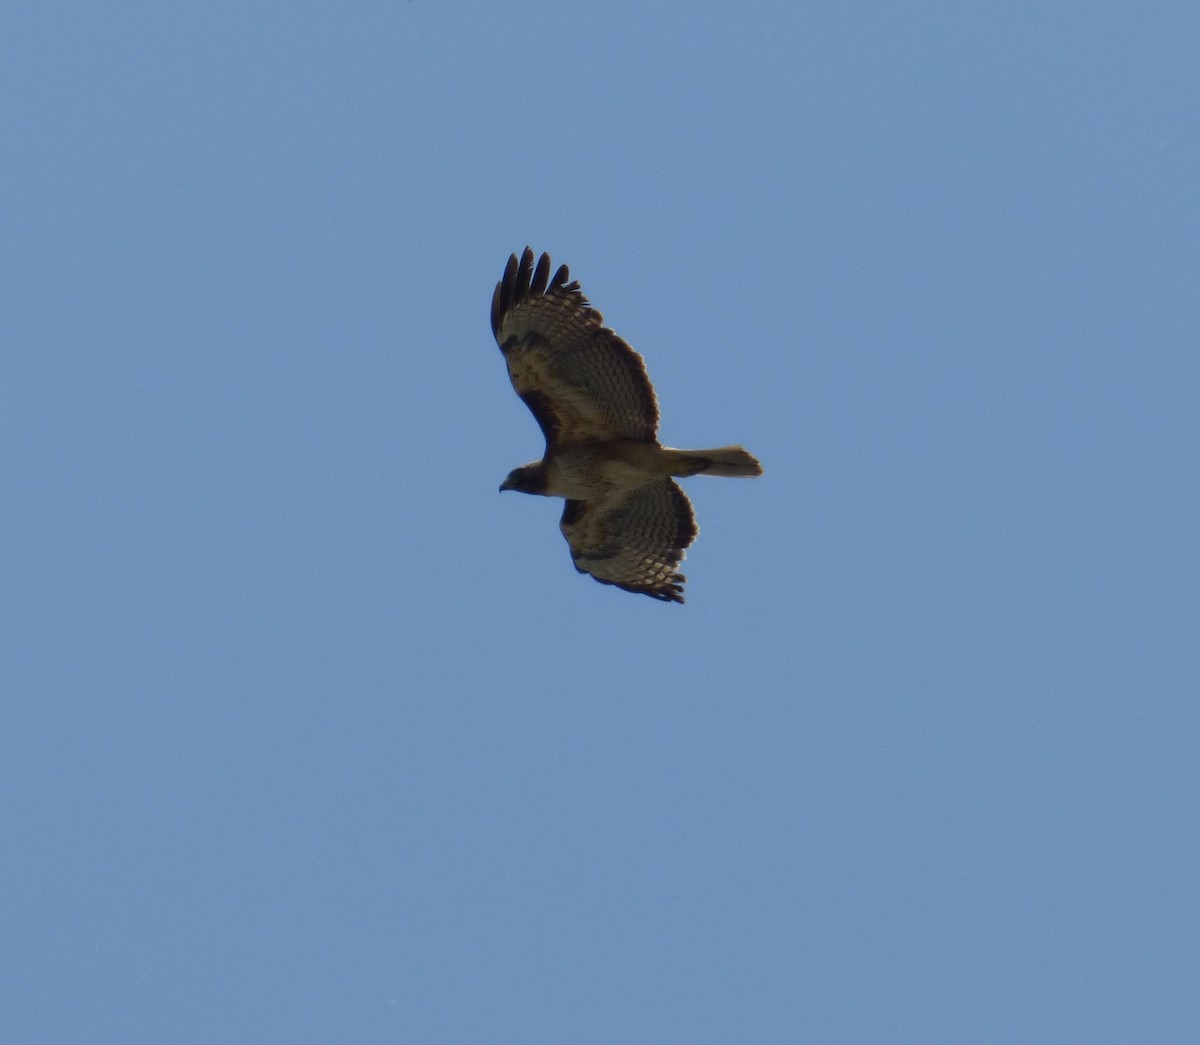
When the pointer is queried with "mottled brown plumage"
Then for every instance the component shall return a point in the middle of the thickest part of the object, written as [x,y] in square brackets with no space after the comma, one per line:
[627,523]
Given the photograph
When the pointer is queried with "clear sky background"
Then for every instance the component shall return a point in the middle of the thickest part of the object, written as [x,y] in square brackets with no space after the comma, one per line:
[309,735]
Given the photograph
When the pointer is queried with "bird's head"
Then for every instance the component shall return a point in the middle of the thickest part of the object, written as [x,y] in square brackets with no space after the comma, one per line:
[529,478]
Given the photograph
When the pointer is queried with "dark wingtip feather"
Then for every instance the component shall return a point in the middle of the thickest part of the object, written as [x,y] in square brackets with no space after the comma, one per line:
[497,308]
[673,594]
[541,276]
[522,280]
[525,270]
[667,593]
[667,589]
[502,298]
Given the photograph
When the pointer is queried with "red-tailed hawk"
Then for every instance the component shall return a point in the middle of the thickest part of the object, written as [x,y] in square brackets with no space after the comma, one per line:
[627,522]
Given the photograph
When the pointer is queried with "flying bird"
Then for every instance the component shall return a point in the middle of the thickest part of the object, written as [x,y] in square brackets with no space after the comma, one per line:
[626,520]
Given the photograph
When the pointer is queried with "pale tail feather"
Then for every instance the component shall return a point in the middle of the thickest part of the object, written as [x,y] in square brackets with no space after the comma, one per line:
[724,460]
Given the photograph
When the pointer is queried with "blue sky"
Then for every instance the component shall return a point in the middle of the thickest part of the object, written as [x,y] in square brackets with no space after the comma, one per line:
[309,735]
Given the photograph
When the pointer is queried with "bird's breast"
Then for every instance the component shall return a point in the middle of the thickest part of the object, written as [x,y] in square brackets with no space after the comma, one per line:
[585,472]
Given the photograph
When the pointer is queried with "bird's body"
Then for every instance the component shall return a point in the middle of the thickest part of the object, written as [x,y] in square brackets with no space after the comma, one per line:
[586,471]
[627,522]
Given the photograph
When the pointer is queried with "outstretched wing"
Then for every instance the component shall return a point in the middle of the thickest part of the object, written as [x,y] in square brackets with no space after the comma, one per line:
[582,382]
[633,540]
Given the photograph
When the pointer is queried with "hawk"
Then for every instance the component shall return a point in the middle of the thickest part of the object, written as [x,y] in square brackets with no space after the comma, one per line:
[626,520]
